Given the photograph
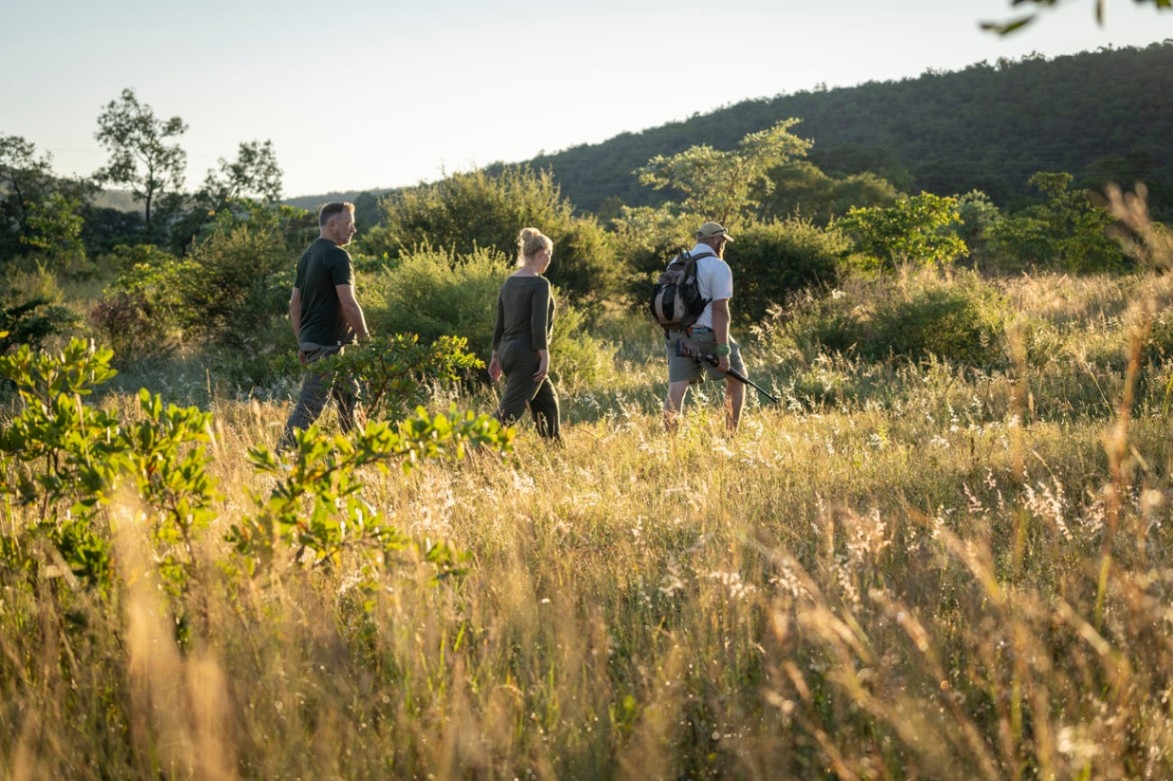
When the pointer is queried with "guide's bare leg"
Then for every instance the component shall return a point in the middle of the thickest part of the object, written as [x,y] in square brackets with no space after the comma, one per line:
[734,399]
[674,403]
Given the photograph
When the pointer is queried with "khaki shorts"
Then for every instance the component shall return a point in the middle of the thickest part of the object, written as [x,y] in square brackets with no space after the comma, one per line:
[681,367]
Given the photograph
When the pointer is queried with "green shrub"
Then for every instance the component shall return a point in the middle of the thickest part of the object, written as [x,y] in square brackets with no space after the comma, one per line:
[801,188]
[1066,232]
[142,313]
[469,211]
[578,359]
[238,286]
[976,215]
[398,373]
[917,230]
[956,323]
[772,261]
[69,459]
[436,293]
[32,311]
[914,317]
[124,257]
[585,266]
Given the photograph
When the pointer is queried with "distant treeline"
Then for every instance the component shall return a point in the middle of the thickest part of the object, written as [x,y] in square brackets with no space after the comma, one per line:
[1101,116]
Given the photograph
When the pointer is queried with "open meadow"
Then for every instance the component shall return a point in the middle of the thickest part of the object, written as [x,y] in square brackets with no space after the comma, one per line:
[905,569]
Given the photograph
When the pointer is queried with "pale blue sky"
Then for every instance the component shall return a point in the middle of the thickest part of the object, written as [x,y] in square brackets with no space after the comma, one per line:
[387,93]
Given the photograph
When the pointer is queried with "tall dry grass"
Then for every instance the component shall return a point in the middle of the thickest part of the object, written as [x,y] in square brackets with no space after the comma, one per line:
[941,574]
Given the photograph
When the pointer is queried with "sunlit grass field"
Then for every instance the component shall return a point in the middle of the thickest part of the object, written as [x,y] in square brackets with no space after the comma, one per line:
[903,570]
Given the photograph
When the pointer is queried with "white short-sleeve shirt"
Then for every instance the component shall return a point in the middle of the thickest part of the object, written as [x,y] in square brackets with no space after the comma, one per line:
[715,280]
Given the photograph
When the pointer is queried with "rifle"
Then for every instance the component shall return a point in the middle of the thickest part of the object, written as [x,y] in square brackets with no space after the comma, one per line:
[687,349]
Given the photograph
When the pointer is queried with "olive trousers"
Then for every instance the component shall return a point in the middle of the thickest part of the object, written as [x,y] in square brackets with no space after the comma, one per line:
[519,361]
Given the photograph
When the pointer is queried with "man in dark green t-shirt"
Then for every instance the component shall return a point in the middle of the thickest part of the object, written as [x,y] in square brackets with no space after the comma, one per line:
[325,317]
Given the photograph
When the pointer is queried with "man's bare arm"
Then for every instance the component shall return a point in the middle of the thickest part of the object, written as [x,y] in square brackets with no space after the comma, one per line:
[721,330]
[351,311]
[295,313]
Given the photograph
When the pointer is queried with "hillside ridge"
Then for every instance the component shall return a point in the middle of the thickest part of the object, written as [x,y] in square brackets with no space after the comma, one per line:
[988,127]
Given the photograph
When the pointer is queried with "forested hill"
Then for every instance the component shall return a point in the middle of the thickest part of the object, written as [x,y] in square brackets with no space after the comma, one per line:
[1104,115]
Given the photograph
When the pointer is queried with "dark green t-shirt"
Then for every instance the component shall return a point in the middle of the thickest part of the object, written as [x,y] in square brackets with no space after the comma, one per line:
[323,266]
[525,310]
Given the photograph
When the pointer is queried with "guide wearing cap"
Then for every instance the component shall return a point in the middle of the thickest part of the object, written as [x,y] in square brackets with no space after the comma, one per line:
[710,332]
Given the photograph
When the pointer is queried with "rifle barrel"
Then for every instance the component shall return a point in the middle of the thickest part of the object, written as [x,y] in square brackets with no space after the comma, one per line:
[712,360]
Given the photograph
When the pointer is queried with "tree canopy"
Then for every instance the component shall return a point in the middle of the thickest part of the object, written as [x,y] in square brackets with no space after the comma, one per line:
[721,184]
[143,155]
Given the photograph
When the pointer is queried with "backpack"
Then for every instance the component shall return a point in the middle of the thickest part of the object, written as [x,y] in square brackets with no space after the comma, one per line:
[676,300]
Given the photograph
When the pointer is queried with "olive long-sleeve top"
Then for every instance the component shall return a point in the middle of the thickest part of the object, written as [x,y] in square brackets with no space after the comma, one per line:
[525,309]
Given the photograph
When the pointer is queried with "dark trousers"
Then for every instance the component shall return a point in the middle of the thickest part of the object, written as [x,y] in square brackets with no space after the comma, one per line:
[519,361]
[317,388]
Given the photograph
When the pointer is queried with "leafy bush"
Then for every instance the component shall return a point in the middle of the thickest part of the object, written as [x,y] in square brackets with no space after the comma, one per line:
[436,293]
[55,226]
[801,189]
[32,312]
[316,512]
[913,318]
[142,313]
[976,215]
[916,230]
[584,266]
[578,359]
[399,373]
[469,211]
[958,323]
[771,261]
[68,458]
[239,284]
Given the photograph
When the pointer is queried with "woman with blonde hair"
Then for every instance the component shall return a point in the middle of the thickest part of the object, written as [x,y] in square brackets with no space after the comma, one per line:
[521,337]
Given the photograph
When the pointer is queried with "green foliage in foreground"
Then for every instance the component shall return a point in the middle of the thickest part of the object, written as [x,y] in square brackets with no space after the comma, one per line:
[72,461]
[400,373]
[323,471]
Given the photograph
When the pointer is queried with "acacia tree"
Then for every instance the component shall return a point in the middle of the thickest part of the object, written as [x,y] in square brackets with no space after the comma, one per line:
[25,179]
[253,174]
[38,211]
[720,185]
[140,155]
